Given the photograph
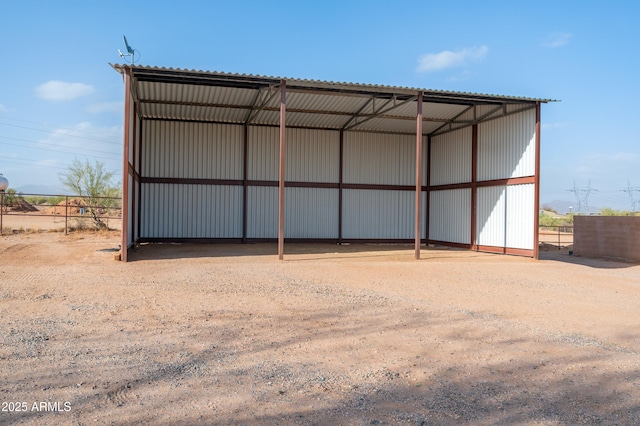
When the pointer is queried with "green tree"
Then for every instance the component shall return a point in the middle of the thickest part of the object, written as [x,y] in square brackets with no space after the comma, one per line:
[93,183]
[10,198]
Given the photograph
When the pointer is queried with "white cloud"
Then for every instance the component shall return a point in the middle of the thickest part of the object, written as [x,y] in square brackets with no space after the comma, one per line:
[3,108]
[105,107]
[448,59]
[557,39]
[62,91]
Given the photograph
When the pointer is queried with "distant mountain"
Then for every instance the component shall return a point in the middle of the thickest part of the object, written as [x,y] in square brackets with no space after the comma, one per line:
[43,190]
[563,207]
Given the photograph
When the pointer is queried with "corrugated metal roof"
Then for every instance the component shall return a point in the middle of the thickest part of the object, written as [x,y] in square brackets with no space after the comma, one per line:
[174,93]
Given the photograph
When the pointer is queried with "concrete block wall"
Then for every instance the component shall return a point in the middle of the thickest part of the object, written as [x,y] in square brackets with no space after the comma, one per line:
[615,237]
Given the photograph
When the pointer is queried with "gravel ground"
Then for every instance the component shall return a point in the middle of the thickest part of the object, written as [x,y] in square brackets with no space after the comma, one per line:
[354,335]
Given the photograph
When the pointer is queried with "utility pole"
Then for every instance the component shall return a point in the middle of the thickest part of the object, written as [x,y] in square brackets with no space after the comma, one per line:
[582,195]
[632,190]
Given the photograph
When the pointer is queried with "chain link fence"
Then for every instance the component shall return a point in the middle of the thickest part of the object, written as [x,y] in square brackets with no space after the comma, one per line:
[58,213]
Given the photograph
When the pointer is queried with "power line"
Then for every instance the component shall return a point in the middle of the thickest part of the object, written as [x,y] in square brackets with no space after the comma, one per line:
[84,150]
[51,126]
[631,191]
[64,134]
[21,162]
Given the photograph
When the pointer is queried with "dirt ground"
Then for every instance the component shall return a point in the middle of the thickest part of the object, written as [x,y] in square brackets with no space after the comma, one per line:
[354,335]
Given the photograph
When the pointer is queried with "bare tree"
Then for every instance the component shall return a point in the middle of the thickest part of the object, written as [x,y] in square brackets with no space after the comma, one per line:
[93,183]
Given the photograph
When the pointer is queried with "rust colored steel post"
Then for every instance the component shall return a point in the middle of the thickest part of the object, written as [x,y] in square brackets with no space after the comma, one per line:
[283,111]
[1,211]
[474,186]
[536,216]
[418,173]
[125,165]
[66,214]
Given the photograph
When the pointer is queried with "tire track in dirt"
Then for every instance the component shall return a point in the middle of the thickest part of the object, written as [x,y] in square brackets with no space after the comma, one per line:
[121,395]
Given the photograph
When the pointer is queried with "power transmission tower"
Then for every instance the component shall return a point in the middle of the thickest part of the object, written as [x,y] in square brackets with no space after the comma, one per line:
[582,195]
[631,190]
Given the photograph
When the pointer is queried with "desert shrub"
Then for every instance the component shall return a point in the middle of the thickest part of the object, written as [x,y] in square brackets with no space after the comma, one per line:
[94,184]
[11,197]
[547,220]
[612,212]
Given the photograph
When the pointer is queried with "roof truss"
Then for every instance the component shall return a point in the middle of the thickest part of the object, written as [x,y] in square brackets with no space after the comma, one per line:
[205,96]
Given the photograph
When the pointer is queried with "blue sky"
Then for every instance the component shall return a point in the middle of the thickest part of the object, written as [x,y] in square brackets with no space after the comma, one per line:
[60,100]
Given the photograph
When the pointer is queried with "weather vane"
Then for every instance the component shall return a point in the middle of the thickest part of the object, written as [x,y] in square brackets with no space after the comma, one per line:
[131,52]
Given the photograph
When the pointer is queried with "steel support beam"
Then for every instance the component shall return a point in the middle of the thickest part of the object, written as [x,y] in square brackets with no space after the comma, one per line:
[536,226]
[427,212]
[418,174]
[379,114]
[340,186]
[474,185]
[125,166]
[283,139]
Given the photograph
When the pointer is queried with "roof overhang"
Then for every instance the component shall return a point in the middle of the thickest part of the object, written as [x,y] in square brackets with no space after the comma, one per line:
[205,96]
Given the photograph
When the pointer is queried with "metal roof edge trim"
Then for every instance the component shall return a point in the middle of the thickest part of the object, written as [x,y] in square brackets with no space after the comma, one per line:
[344,87]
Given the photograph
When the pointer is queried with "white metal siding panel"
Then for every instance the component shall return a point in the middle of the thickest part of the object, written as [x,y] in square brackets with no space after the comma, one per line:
[518,107]
[137,212]
[263,153]
[192,150]
[130,212]
[451,157]
[425,158]
[191,211]
[450,216]
[311,155]
[262,212]
[311,213]
[520,216]
[379,159]
[506,147]
[133,126]
[135,159]
[376,214]
[491,215]
[506,216]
